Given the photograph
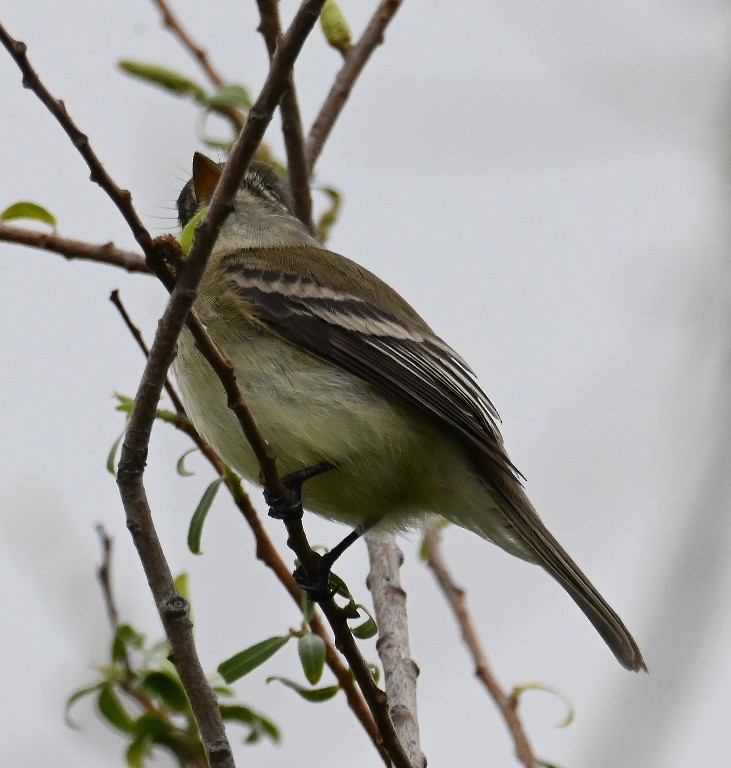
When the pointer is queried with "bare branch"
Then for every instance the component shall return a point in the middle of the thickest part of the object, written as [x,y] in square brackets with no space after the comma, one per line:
[265,549]
[120,197]
[294,138]
[399,669]
[137,336]
[456,598]
[105,253]
[355,60]
[171,22]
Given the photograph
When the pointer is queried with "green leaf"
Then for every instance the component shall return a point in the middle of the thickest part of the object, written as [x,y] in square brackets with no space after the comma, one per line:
[124,637]
[154,726]
[165,78]
[180,466]
[181,582]
[335,26]
[187,236]
[77,696]
[330,216]
[311,649]
[125,403]
[24,209]
[438,524]
[250,658]
[231,95]
[315,695]
[308,608]
[195,529]
[112,455]
[546,764]
[375,671]
[340,587]
[516,693]
[259,725]
[167,688]
[111,709]
[138,750]
[368,628]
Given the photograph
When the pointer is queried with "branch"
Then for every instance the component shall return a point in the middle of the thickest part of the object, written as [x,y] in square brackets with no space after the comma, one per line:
[120,197]
[265,549]
[294,138]
[456,598]
[106,253]
[172,23]
[137,336]
[355,60]
[399,669]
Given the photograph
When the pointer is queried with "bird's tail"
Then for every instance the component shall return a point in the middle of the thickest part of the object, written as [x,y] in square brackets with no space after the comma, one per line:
[532,537]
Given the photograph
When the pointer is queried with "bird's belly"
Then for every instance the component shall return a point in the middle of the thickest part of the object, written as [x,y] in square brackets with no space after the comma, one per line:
[311,412]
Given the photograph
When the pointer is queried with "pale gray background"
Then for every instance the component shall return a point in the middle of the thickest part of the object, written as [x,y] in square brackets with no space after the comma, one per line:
[548,184]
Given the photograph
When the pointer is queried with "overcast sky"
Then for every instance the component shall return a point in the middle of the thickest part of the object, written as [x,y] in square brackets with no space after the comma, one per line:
[547,183]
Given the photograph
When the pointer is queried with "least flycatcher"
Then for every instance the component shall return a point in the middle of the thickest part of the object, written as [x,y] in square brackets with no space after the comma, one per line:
[340,372]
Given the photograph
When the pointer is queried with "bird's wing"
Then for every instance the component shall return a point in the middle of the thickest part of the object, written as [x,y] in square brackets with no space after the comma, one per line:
[410,364]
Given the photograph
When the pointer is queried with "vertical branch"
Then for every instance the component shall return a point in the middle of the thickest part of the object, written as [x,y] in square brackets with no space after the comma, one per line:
[455,596]
[399,669]
[294,138]
[355,60]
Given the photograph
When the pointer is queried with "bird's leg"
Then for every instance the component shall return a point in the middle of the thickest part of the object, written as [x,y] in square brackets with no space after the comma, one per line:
[283,509]
[318,588]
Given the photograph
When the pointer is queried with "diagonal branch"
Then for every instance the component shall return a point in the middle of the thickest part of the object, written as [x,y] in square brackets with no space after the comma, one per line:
[171,22]
[355,59]
[105,253]
[294,138]
[455,596]
[120,197]
[265,549]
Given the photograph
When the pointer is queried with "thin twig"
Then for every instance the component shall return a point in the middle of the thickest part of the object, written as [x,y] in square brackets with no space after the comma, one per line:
[172,23]
[120,197]
[265,550]
[457,601]
[173,609]
[355,60]
[294,137]
[399,669]
[137,336]
[105,253]
[134,449]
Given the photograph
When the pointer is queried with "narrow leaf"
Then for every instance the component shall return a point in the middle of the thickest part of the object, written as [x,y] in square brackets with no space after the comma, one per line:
[330,215]
[124,637]
[112,455]
[24,209]
[167,687]
[77,696]
[516,693]
[111,709]
[181,582]
[368,628]
[311,649]
[231,95]
[138,750]
[187,236]
[165,78]
[180,466]
[195,529]
[260,725]
[250,658]
[315,695]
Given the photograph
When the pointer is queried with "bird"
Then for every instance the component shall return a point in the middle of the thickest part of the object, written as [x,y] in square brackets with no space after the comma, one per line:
[353,391]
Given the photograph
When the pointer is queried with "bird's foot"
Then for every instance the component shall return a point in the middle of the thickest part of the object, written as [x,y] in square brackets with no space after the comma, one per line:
[291,509]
